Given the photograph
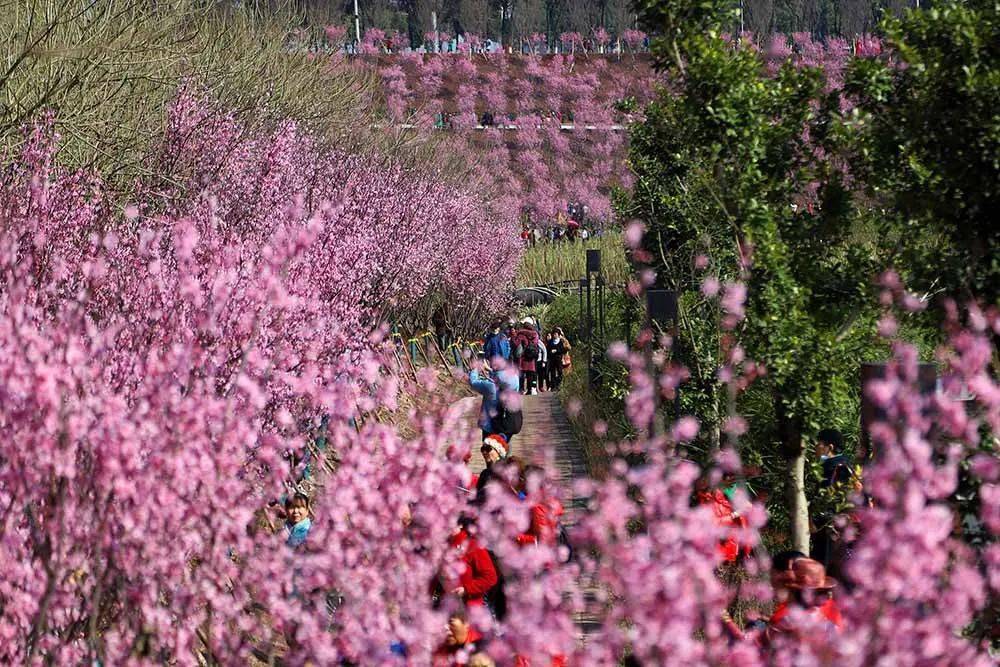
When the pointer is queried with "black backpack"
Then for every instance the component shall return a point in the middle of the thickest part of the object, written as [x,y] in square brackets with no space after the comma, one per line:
[507,421]
[496,597]
[531,352]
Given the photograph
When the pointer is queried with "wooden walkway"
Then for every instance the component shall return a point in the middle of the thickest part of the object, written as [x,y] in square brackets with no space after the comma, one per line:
[547,440]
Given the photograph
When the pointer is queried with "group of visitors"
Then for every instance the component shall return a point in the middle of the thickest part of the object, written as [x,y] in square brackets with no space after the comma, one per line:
[571,225]
[481,583]
[570,231]
[539,359]
[517,360]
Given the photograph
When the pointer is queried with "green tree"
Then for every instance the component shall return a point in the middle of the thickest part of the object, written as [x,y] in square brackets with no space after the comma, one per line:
[737,163]
[928,132]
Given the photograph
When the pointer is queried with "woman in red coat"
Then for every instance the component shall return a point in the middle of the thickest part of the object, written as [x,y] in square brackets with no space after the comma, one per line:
[725,516]
[545,514]
[478,574]
[527,340]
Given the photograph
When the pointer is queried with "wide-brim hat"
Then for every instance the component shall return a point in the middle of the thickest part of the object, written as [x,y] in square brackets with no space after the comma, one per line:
[810,575]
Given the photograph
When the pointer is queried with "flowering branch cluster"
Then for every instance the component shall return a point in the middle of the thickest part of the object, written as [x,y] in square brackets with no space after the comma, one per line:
[545,131]
[160,356]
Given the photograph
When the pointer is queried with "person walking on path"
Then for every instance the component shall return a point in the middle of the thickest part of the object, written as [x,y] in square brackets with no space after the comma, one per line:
[497,345]
[478,575]
[557,349]
[492,385]
[494,450]
[525,344]
[542,367]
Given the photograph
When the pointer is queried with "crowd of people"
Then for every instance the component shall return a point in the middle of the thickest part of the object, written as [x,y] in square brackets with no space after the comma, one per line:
[539,358]
[520,359]
[570,226]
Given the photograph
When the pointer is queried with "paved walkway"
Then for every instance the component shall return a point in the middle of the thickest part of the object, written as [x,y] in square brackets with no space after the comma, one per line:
[546,439]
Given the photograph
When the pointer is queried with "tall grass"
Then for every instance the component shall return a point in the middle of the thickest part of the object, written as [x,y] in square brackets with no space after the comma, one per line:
[549,263]
[107,68]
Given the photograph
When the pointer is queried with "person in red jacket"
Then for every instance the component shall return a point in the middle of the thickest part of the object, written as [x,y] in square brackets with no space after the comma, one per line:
[545,515]
[527,341]
[725,516]
[478,574]
[812,594]
[461,641]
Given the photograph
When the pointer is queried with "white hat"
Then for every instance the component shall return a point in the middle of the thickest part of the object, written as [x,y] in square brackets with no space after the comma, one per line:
[527,320]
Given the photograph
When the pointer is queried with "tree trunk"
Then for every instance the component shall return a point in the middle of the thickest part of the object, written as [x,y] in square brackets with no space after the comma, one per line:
[798,505]
[794,453]
[714,422]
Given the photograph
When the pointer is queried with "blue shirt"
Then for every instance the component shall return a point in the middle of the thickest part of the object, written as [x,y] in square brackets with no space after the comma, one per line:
[488,389]
[297,534]
[497,345]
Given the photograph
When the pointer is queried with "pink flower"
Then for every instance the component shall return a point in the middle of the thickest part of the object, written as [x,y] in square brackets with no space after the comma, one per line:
[634,233]
[710,286]
[685,429]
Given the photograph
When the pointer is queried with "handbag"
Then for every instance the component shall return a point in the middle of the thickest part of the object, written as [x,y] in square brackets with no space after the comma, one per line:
[566,360]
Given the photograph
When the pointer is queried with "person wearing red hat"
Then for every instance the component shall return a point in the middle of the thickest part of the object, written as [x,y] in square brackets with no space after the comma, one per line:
[494,450]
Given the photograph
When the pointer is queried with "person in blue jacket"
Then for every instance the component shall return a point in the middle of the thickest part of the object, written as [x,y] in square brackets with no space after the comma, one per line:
[497,345]
[489,384]
[297,521]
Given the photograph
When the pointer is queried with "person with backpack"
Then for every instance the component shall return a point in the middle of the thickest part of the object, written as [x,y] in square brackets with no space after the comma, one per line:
[525,344]
[497,414]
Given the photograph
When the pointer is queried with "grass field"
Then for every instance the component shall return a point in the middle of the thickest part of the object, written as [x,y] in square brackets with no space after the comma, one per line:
[557,262]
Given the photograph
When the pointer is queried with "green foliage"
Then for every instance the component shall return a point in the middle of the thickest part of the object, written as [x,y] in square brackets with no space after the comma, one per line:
[928,142]
[720,164]
[733,162]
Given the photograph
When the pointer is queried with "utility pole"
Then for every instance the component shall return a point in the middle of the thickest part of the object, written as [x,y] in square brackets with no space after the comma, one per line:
[741,16]
[357,24]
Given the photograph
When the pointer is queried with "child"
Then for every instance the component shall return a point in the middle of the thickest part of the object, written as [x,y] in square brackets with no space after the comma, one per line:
[297,521]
